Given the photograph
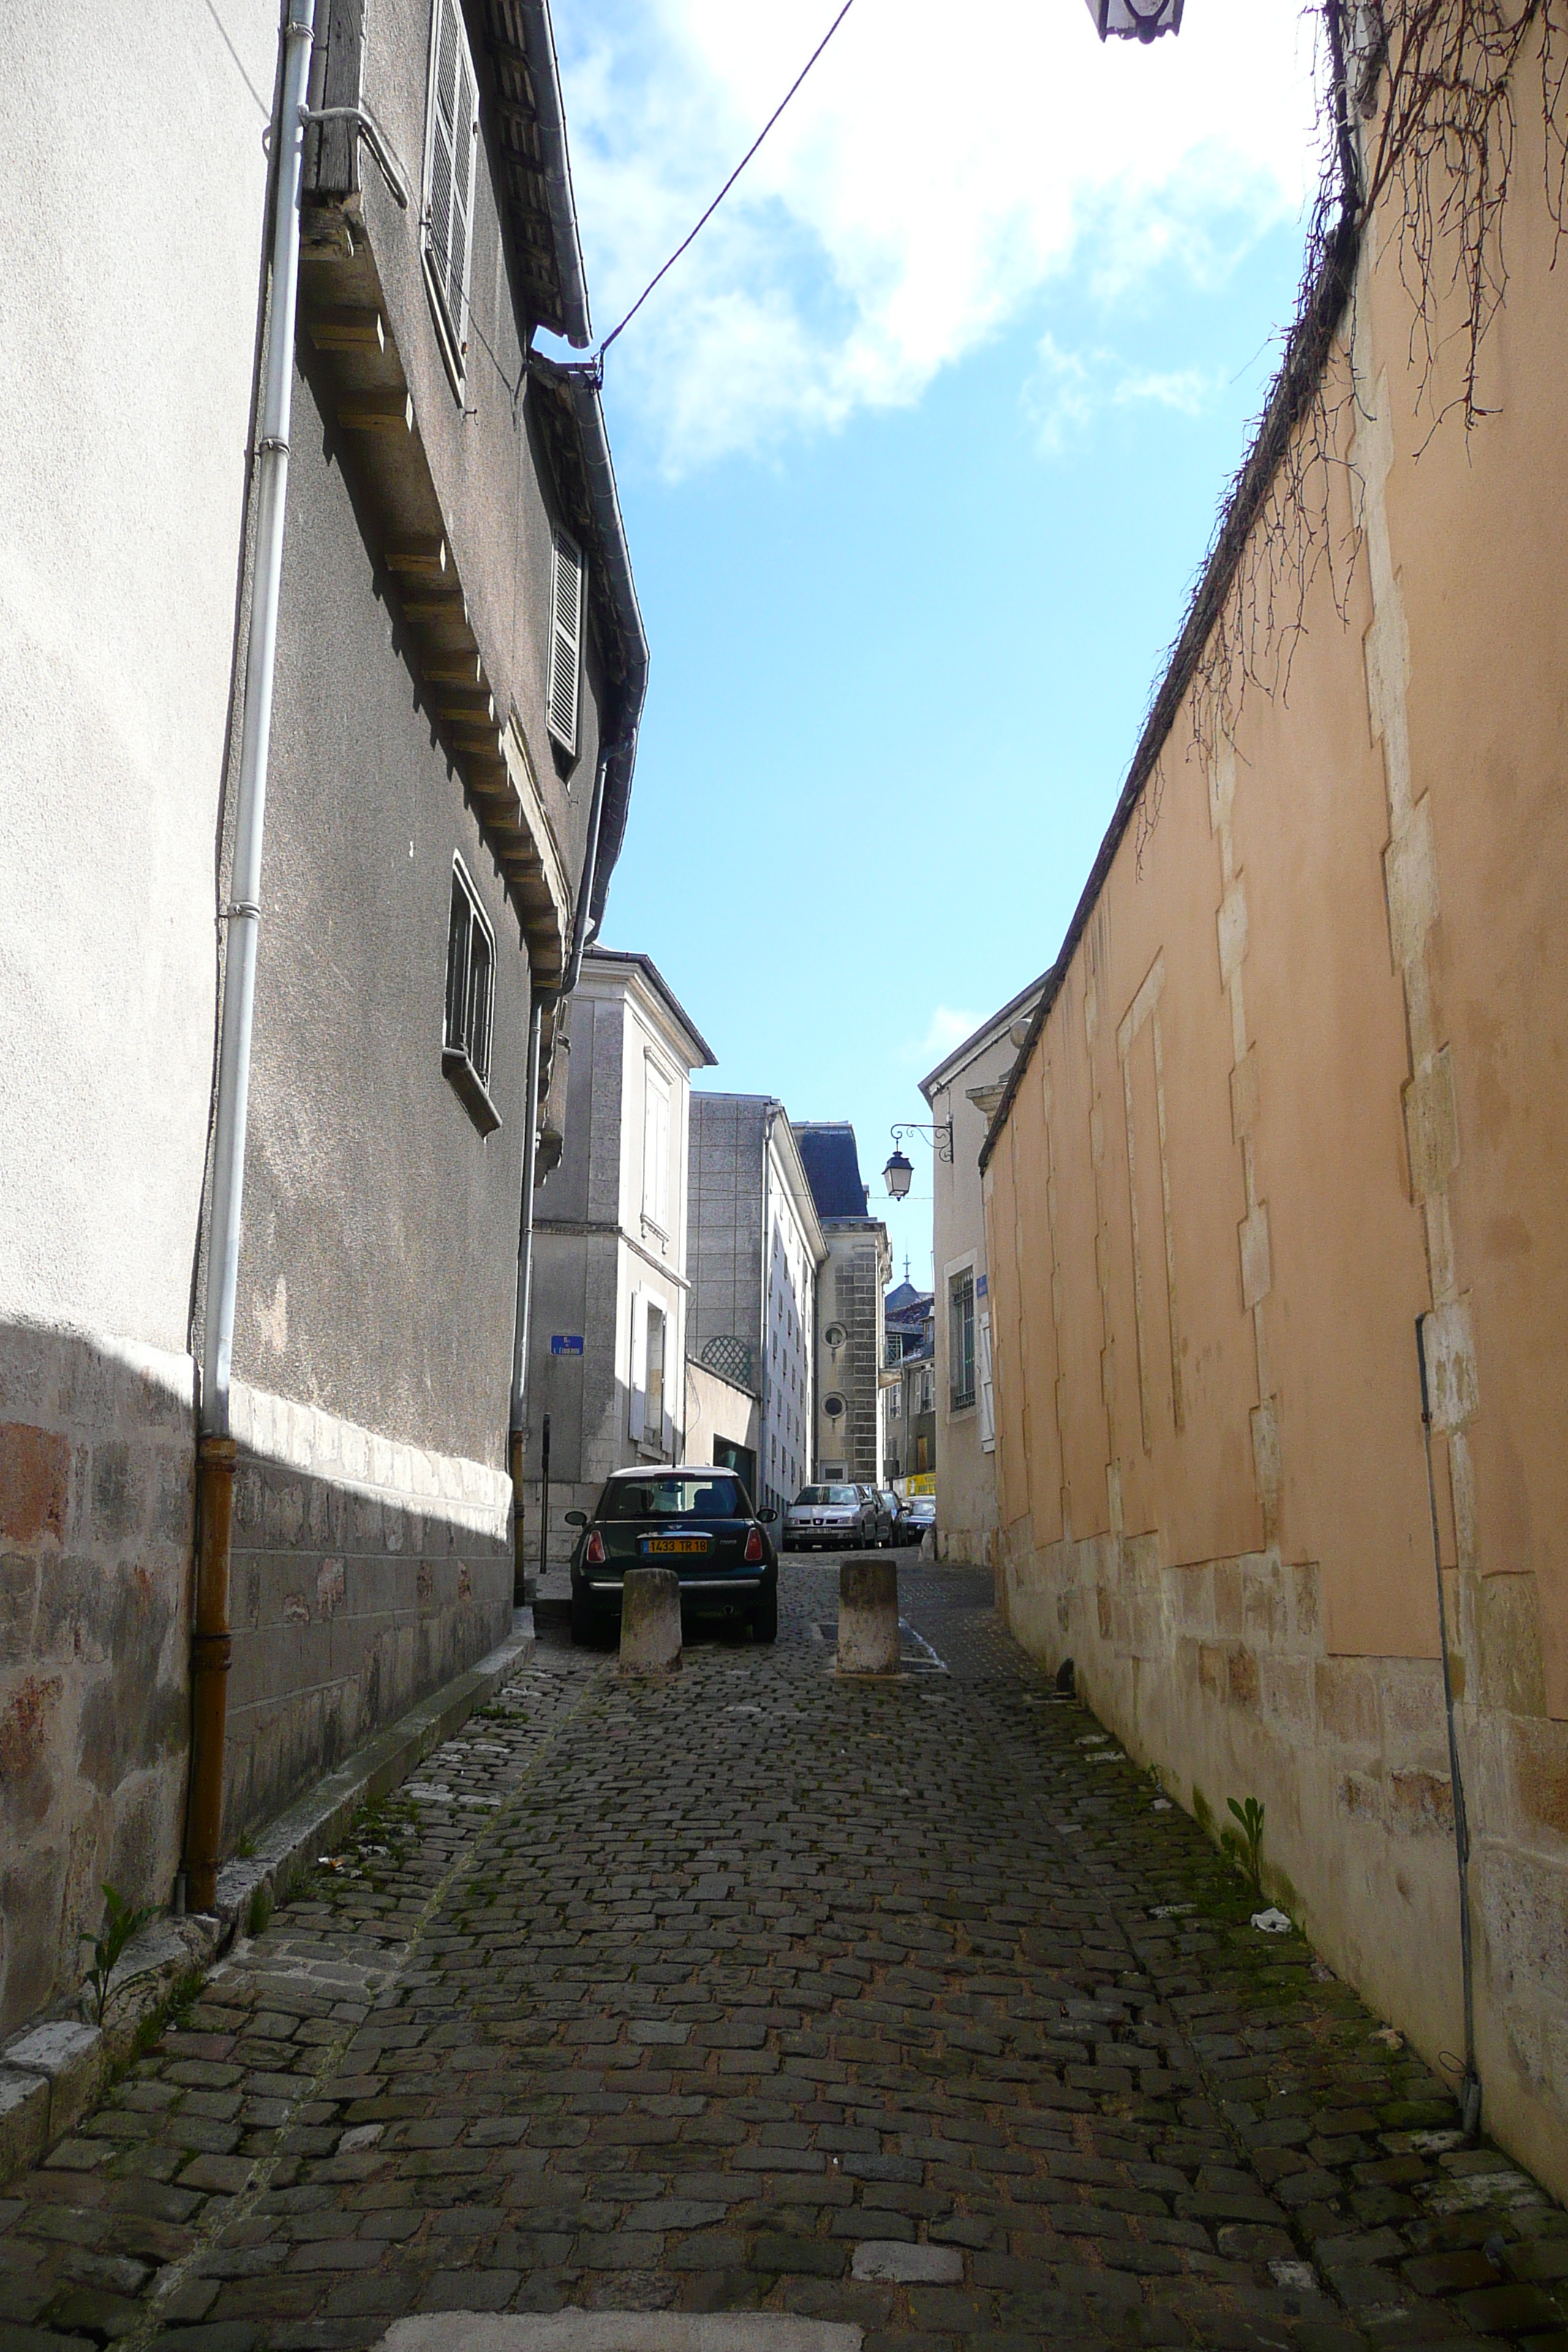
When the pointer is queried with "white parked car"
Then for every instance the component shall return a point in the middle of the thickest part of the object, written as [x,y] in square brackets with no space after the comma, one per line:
[830,1518]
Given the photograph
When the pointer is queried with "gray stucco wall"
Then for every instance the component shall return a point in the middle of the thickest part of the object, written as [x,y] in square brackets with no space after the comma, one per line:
[483,448]
[377,1269]
[378,1261]
[725,1245]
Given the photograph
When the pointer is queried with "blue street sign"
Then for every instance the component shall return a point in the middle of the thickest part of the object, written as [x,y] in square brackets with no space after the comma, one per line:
[566,1343]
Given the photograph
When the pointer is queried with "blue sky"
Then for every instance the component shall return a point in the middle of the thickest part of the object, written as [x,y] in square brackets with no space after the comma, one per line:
[918,450]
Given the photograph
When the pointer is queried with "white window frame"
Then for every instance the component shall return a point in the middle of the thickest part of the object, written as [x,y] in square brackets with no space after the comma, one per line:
[447,169]
[568,604]
[469,1008]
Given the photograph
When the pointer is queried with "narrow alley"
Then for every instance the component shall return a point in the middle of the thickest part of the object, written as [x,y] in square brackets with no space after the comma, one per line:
[907,2007]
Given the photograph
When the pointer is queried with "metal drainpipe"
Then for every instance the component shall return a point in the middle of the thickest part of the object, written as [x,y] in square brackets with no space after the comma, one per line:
[1470,2085]
[522,1316]
[216,1447]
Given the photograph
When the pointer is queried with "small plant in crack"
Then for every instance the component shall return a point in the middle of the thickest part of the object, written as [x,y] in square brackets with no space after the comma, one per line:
[1250,1816]
[121,1920]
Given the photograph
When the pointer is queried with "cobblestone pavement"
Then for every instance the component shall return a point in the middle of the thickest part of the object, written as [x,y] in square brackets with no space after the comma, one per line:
[904,2004]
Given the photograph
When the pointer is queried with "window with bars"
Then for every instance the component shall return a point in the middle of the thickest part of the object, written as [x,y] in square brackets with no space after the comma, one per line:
[470,1001]
[451,142]
[567,581]
[961,1339]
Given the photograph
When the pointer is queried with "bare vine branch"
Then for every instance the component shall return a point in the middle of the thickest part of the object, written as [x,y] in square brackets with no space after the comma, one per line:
[1419,129]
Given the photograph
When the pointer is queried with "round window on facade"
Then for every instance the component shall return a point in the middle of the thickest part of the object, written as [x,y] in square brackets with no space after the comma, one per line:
[833,1406]
[836,1335]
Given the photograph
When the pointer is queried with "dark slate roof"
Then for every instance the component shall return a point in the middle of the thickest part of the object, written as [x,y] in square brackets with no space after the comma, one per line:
[832,1167]
[905,1294]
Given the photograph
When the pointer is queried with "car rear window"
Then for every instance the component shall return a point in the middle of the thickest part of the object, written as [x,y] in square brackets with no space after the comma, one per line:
[672,1498]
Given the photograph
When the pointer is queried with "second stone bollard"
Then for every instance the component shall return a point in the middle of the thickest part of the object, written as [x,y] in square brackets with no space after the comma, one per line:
[650,1621]
[869,1616]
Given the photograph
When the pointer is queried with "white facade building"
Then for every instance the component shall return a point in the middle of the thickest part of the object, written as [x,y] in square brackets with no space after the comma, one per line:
[607,1337]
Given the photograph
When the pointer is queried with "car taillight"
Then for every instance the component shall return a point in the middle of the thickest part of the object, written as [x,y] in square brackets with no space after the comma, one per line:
[595,1555]
[754,1546]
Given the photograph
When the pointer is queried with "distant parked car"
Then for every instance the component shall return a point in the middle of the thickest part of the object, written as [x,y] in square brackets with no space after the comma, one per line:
[888,1509]
[920,1518]
[696,1520]
[830,1518]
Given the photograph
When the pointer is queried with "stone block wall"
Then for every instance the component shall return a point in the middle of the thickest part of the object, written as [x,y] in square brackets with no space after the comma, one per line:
[97,1496]
[1218,1676]
[366,1573]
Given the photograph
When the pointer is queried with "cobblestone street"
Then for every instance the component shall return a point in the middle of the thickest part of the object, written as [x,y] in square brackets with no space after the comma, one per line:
[909,2005]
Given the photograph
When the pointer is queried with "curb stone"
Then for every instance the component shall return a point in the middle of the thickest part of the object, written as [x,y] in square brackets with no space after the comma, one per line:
[52,2071]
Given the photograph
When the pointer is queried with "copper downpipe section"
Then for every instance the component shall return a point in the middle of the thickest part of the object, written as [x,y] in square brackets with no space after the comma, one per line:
[519,1561]
[210,1644]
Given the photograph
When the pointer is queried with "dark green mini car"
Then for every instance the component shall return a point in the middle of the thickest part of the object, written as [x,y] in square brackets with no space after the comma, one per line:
[698,1521]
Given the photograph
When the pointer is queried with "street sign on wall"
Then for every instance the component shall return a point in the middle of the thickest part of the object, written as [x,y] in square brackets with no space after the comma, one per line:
[565,1343]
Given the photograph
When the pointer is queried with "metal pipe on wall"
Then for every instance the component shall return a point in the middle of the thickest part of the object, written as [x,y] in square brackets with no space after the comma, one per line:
[216,1453]
[1470,2085]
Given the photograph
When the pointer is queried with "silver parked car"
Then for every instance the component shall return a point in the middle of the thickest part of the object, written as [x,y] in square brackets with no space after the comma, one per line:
[830,1518]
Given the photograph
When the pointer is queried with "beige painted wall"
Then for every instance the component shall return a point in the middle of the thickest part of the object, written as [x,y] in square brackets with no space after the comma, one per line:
[1304,1081]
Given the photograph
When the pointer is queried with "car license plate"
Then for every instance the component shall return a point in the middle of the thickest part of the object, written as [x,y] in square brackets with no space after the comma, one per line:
[675,1543]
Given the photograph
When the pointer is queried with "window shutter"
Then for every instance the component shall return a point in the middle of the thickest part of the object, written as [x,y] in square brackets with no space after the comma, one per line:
[450,168]
[987,1400]
[565,641]
[639,1351]
[667,1434]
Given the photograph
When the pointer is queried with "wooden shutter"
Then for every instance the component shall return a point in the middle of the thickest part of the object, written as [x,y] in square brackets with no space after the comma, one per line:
[639,1351]
[449,168]
[987,1397]
[566,640]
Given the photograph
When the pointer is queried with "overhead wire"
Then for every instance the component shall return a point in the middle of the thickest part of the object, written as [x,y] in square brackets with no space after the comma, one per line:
[597,360]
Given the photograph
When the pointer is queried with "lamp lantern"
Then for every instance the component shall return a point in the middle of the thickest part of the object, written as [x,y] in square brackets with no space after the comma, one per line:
[1135,20]
[900,1172]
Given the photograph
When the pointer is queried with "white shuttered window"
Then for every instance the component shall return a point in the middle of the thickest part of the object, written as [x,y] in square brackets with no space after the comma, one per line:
[565,641]
[656,1149]
[451,139]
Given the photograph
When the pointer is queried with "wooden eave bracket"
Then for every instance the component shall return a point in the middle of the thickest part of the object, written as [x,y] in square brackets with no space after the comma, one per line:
[343,316]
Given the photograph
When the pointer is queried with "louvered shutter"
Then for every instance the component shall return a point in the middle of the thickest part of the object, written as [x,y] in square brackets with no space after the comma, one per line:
[565,641]
[638,1372]
[987,1395]
[449,168]
[667,1434]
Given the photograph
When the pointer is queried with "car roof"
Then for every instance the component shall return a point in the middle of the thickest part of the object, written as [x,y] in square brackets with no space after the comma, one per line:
[674,1470]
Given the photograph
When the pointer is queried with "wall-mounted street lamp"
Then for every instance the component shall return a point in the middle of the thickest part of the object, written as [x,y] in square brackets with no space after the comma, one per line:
[900,1171]
[1135,20]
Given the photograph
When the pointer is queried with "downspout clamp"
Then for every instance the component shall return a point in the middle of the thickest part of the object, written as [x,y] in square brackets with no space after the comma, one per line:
[210,1641]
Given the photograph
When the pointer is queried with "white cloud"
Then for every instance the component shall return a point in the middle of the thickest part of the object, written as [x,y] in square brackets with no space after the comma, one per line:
[948,1028]
[1066,389]
[935,171]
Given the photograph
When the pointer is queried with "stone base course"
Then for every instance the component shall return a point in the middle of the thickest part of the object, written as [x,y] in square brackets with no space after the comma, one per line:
[696,1997]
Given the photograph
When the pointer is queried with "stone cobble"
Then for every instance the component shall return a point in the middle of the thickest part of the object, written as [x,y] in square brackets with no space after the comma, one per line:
[910,2004]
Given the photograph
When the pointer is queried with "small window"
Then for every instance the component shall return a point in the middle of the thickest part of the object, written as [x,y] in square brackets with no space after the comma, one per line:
[833,1406]
[451,140]
[565,641]
[470,1001]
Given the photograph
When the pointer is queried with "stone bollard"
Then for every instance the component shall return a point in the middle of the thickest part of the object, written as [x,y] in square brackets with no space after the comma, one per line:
[869,1616]
[650,1622]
